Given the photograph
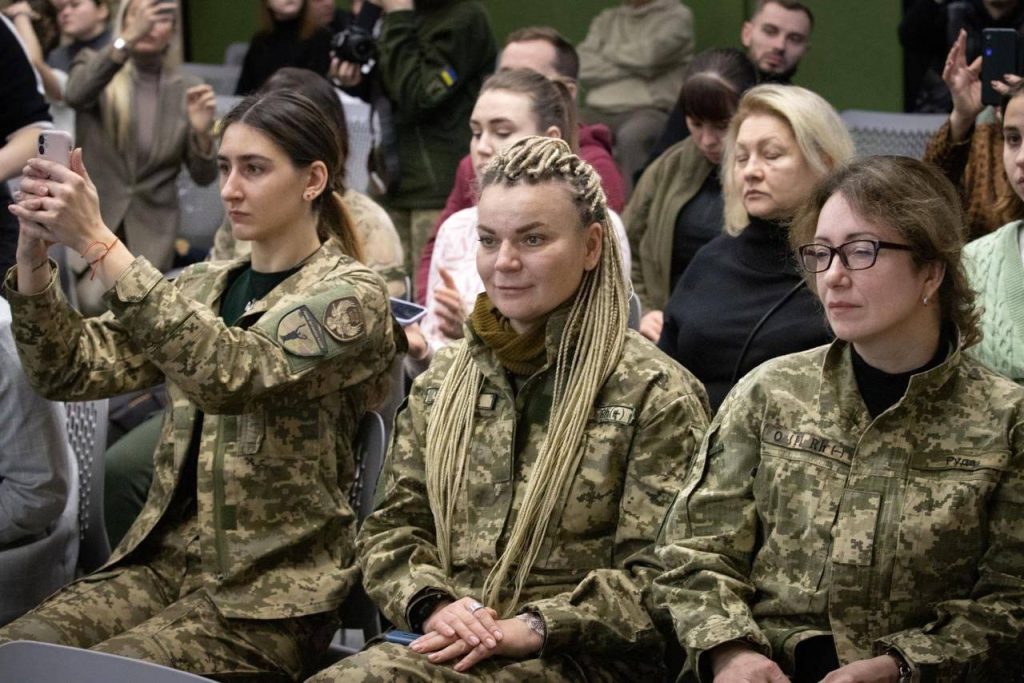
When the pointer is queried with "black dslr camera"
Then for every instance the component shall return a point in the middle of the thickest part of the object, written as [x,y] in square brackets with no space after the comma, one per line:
[354,44]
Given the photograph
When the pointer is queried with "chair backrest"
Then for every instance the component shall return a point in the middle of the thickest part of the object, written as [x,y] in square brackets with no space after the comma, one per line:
[368,452]
[234,53]
[87,434]
[30,662]
[223,77]
[202,211]
[877,132]
[360,141]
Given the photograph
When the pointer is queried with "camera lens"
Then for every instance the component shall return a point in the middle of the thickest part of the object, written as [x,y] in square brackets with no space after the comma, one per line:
[42,150]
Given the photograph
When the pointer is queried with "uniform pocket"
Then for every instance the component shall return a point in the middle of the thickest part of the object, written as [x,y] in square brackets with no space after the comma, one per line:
[853,541]
[250,432]
[942,525]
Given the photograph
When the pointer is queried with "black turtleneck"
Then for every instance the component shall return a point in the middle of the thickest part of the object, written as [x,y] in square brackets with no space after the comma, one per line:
[280,47]
[879,389]
[729,287]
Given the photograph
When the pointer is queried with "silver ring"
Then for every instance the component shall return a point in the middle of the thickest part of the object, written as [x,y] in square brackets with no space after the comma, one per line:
[474,606]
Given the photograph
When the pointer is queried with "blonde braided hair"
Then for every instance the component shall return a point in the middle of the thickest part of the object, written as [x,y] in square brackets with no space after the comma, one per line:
[588,352]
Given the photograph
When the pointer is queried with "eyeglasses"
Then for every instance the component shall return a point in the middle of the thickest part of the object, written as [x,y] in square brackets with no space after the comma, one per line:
[855,255]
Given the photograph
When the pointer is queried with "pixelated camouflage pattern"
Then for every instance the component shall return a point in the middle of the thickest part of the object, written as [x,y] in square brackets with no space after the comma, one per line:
[393,663]
[382,248]
[803,516]
[275,455]
[592,576]
[156,612]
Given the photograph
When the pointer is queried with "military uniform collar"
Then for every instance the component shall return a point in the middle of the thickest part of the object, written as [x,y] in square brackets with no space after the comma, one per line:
[315,268]
[838,390]
[488,363]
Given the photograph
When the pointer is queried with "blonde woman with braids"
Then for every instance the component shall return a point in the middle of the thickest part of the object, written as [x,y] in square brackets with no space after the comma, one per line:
[139,118]
[536,457]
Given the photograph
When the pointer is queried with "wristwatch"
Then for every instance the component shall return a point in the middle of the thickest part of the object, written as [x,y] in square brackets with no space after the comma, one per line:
[120,45]
[905,675]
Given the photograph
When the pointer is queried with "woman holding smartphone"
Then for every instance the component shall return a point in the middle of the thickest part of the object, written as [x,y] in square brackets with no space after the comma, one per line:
[139,118]
[245,548]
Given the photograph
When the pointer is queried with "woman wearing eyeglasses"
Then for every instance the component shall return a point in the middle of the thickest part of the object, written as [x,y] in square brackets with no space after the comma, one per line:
[854,512]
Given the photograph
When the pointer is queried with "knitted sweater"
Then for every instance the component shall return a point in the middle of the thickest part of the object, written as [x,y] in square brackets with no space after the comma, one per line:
[996,271]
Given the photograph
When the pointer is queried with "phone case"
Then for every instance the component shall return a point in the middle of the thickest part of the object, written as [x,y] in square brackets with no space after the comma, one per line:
[400,637]
[55,145]
[999,56]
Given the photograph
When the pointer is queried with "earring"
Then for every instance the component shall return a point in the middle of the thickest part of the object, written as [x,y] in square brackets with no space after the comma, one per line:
[309,196]
[925,299]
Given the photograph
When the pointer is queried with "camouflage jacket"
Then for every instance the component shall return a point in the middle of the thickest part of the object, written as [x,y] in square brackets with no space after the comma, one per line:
[802,516]
[592,576]
[281,399]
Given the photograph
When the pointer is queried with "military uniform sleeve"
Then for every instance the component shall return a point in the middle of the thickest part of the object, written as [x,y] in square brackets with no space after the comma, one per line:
[397,544]
[421,69]
[67,357]
[709,538]
[335,333]
[606,610]
[968,632]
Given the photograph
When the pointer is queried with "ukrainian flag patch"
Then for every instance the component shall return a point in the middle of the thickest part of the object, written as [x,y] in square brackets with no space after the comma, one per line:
[448,76]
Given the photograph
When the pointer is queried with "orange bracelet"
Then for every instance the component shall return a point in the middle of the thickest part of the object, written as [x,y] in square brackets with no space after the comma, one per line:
[106,250]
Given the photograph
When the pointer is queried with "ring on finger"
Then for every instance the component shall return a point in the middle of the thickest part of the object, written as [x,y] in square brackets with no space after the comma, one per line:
[473,606]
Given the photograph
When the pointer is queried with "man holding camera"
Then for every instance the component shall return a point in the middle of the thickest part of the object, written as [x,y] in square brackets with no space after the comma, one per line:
[432,56]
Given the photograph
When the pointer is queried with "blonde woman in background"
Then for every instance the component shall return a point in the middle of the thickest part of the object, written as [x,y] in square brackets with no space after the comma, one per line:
[139,118]
[535,458]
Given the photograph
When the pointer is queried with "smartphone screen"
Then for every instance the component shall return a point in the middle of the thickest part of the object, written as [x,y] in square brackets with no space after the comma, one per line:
[406,312]
[999,56]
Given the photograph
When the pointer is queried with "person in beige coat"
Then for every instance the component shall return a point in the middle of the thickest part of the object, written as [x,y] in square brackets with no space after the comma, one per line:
[139,118]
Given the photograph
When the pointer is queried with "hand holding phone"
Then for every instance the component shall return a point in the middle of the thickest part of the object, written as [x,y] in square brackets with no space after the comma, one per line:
[401,637]
[1000,55]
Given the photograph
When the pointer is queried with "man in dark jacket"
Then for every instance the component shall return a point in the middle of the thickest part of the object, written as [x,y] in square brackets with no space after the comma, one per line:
[433,56]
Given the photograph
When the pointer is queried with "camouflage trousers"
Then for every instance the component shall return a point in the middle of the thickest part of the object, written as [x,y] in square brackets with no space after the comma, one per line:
[390,662]
[414,227]
[159,611]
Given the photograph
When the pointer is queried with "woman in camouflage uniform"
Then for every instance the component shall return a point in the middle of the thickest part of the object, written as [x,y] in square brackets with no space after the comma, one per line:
[854,513]
[535,460]
[245,547]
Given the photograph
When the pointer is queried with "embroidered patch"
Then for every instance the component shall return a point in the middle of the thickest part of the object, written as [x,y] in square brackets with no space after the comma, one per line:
[300,334]
[623,415]
[430,395]
[812,443]
[449,76]
[344,319]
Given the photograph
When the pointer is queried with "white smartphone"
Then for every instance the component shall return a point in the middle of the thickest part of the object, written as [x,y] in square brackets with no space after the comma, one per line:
[406,312]
[55,145]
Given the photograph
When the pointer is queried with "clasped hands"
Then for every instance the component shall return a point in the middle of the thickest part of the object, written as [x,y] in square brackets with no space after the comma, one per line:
[469,630]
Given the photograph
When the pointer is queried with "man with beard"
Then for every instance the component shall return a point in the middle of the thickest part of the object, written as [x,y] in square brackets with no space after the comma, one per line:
[776,37]
[433,56]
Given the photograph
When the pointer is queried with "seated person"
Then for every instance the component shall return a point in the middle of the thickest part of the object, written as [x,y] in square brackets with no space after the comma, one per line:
[292,33]
[129,461]
[995,262]
[534,460]
[970,153]
[742,299]
[854,512]
[677,207]
[34,451]
[631,64]
[550,54]
[512,105]
[245,548]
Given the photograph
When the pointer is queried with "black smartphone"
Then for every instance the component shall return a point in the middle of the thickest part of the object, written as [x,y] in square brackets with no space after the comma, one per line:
[406,312]
[401,637]
[1000,55]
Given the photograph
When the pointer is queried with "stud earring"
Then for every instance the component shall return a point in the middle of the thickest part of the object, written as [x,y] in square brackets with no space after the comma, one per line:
[925,299]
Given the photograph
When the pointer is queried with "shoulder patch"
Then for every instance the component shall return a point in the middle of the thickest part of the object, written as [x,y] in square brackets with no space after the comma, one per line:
[300,334]
[343,319]
[449,76]
[623,415]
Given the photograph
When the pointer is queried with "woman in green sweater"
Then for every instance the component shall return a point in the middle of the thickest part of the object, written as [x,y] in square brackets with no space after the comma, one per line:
[995,263]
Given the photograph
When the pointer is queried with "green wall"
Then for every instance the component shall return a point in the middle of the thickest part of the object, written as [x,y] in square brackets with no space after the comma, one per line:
[854,62]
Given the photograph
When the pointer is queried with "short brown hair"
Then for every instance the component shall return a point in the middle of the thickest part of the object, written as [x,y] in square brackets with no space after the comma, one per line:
[790,5]
[567,61]
[917,201]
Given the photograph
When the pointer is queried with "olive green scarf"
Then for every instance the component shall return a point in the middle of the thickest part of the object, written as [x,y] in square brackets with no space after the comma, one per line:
[523,354]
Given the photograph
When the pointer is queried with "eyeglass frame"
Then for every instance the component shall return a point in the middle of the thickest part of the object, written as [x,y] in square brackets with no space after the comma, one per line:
[833,251]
